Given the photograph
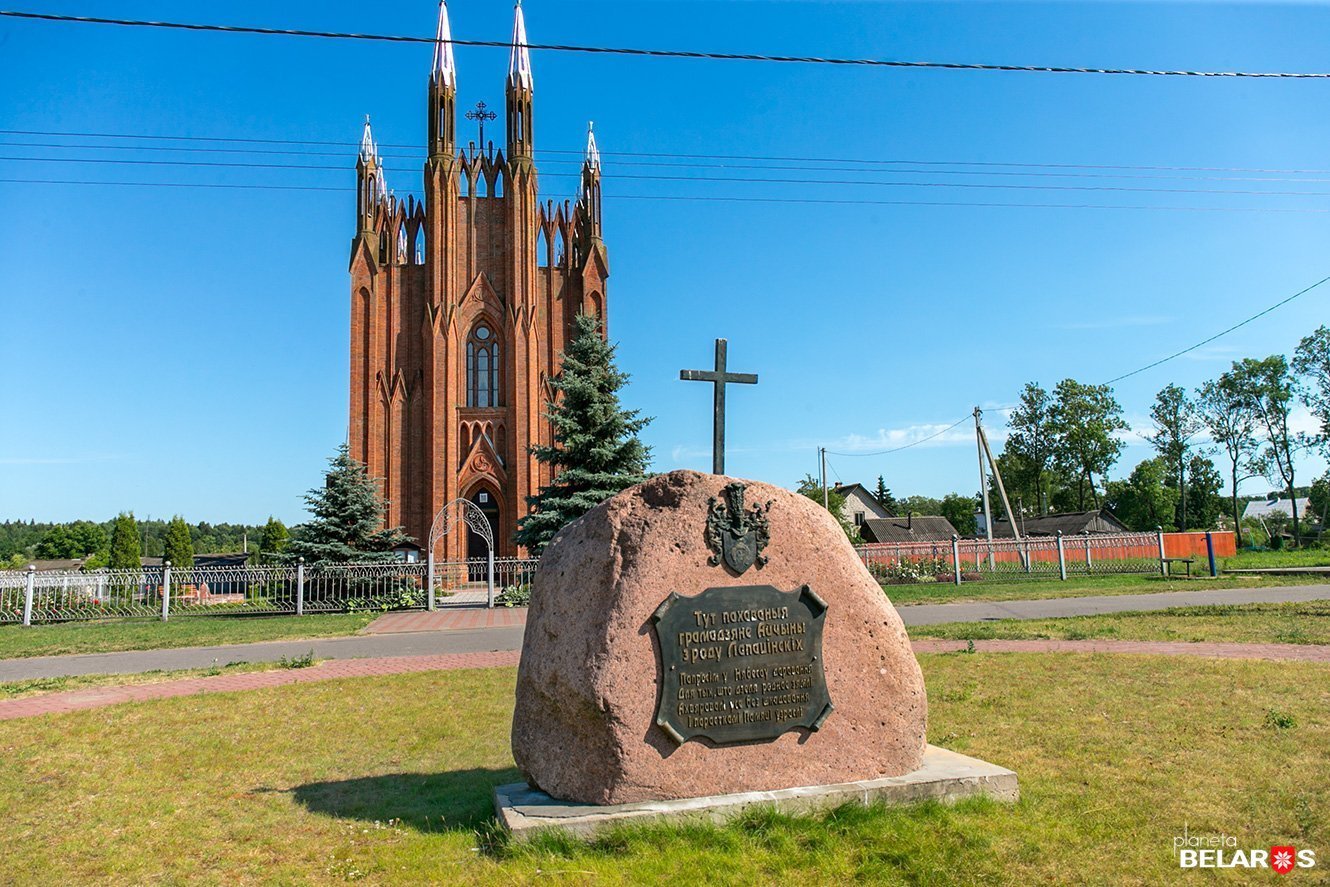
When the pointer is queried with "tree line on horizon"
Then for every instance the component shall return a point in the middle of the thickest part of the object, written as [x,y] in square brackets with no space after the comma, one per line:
[1064,442]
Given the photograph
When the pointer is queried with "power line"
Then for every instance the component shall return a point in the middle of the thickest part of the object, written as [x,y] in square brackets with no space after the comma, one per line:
[1116,379]
[935,167]
[604,153]
[759,180]
[725,198]
[1259,314]
[907,446]
[658,53]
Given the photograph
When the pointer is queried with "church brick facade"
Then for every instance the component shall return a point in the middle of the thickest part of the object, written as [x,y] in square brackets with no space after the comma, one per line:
[461,303]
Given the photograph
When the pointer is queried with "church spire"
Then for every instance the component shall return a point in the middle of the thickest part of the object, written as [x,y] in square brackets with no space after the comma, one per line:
[519,91]
[443,90]
[519,58]
[368,151]
[445,71]
[592,158]
[370,188]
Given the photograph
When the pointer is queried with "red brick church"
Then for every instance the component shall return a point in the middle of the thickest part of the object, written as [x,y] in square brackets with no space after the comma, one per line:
[461,302]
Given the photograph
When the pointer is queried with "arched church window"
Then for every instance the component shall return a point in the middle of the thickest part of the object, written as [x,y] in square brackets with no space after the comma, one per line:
[482,367]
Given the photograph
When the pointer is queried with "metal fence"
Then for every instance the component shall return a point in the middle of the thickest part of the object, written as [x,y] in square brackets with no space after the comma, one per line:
[1014,560]
[164,592]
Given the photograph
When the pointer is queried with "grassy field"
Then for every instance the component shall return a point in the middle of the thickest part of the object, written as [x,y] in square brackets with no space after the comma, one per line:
[38,686]
[387,781]
[147,634]
[1302,623]
[1290,557]
[984,590]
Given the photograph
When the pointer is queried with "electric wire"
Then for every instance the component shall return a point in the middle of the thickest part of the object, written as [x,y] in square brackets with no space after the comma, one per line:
[713,198]
[657,53]
[1116,379]
[753,157]
[895,170]
[1001,186]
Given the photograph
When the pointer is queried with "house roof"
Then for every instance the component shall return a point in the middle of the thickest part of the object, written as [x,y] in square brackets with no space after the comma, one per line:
[920,528]
[1068,522]
[864,492]
[1267,507]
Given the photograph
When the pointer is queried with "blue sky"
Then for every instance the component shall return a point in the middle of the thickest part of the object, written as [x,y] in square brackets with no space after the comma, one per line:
[185,349]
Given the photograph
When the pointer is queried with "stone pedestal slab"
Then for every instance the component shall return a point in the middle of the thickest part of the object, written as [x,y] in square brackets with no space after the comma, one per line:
[944,776]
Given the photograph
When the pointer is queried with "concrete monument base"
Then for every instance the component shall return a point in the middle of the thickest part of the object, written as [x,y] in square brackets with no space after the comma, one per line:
[945,776]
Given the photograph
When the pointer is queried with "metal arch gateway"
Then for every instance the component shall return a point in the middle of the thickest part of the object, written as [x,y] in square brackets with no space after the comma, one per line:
[463,511]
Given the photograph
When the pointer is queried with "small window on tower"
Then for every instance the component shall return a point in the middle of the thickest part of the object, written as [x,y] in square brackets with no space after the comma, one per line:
[858,518]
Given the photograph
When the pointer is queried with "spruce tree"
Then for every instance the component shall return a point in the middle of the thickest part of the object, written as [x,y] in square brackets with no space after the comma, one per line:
[348,519]
[596,451]
[178,547]
[884,497]
[126,552]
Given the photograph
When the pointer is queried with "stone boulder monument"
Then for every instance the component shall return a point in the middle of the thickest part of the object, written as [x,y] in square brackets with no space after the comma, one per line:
[699,636]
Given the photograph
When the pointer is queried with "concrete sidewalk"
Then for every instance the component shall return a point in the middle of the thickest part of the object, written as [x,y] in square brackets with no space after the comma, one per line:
[980,611]
[416,642]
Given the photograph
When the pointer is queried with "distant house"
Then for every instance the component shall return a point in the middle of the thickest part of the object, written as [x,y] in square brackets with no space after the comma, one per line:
[912,528]
[1071,523]
[860,504]
[1261,509]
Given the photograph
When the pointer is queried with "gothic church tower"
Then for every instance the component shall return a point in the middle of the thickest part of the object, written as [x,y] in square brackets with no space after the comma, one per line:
[461,303]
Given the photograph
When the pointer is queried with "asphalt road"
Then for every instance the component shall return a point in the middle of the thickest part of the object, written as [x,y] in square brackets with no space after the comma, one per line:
[423,643]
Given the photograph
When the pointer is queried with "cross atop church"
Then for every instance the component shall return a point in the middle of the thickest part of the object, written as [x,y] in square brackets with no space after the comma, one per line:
[481,114]
[719,378]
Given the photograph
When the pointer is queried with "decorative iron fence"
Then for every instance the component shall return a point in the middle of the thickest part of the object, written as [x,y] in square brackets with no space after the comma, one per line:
[1015,560]
[164,592]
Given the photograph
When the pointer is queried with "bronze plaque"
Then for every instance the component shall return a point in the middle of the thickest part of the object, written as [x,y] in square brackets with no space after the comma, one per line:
[741,664]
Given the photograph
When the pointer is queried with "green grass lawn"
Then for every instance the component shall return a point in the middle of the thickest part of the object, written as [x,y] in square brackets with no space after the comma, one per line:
[39,686]
[387,781]
[986,590]
[109,635]
[1301,623]
[1317,556]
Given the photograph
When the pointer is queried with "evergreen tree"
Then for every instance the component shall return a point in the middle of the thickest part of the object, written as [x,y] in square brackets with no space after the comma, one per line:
[596,451]
[274,539]
[125,551]
[178,547]
[884,497]
[348,519]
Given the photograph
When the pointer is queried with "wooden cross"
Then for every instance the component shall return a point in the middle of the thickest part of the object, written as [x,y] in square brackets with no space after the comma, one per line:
[719,378]
[481,114]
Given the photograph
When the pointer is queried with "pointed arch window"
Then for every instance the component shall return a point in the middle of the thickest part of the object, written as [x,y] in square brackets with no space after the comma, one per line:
[483,367]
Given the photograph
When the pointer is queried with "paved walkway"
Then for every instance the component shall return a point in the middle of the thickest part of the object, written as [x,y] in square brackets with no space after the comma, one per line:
[507,634]
[98,697]
[447,619]
[979,611]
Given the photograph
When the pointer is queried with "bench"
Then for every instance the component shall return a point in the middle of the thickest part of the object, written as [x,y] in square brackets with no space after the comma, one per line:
[1169,561]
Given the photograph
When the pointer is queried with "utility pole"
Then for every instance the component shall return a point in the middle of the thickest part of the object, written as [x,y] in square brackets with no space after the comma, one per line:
[822,452]
[983,485]
[997,476]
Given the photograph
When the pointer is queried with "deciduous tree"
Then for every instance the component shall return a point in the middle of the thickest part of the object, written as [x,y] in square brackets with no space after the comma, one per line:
[1084,422]
[1268,387]
[1312,362]
[1144,500]
[1228,416]
[1032,443]
[1176,423]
